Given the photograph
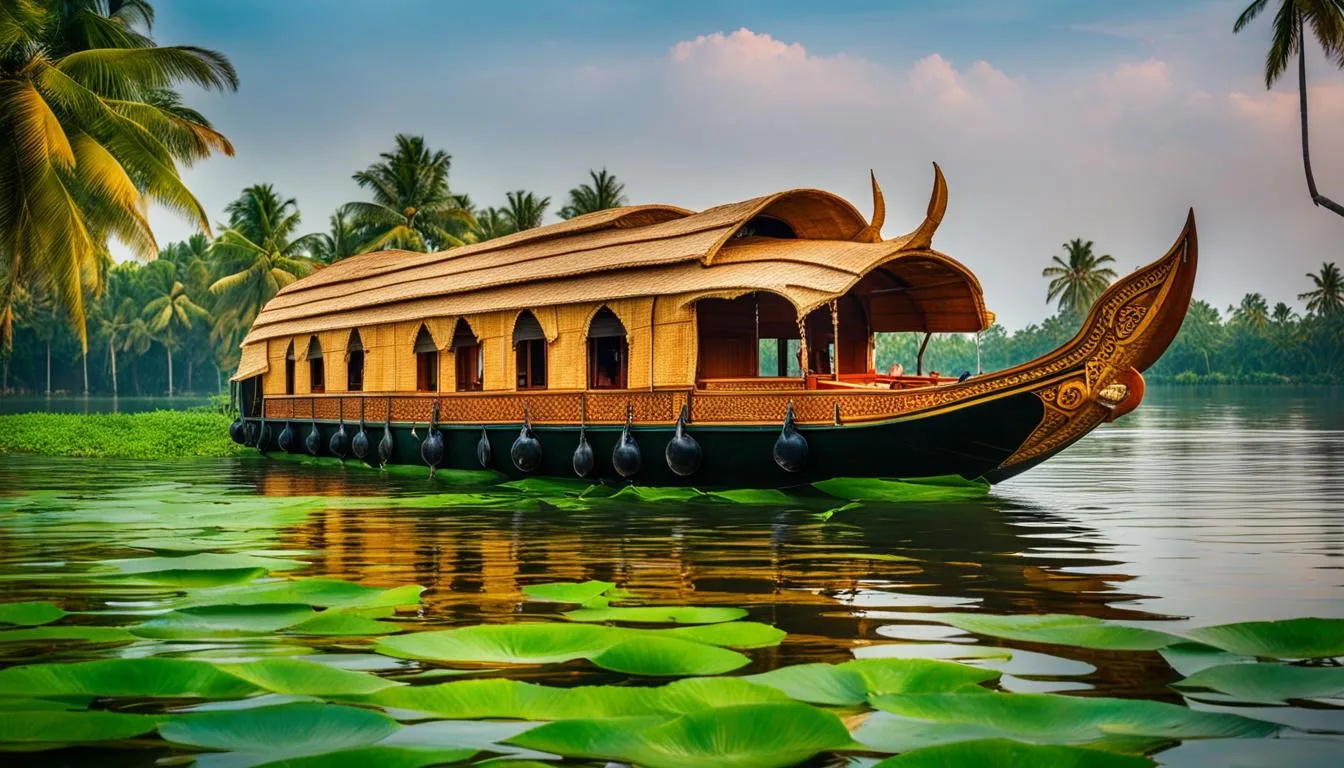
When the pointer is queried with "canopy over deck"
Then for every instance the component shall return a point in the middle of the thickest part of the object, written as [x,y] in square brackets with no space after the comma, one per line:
[806,245]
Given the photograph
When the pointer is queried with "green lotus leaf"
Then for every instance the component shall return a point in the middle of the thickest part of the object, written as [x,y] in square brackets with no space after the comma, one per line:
[29,614]
[286,730]
[732,634]
[747,736]
[521,643]
[212,621]
[376,755]
[1057,629]
[1189,658]
[648,652]
[668,657]
[307,678]
[33,705]
[1003,753]
[1311,638]
[946,651]
[950,487]
[752,496]
[657,614]
[152,677]
[1122,725]
[54,728]
[500,698]
[1268,683]
[852,682]
[322,593]
[202,561]
[332,622]
[83,634]
[566,592]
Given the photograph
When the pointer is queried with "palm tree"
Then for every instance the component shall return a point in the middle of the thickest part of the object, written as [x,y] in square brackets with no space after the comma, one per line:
[524,210]
[605,192]
[1282,315]
[94,133]
[113,321]
[169,313]
[1327,299]
[412,208]
[490,223]
[1079,278]
[259,253]
[1253,312]
[1288,37]
[341,241]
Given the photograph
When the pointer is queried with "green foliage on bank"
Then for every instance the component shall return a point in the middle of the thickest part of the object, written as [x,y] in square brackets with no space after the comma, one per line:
[152,435]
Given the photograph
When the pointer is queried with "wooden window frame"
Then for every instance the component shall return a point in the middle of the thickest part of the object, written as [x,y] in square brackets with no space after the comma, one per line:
[427,371]
[525,373]
[353,382]
[317,375]
[468,368]
[623,367]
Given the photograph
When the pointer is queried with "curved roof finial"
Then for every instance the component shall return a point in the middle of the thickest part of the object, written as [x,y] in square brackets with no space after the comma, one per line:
[923,236]
[873,232]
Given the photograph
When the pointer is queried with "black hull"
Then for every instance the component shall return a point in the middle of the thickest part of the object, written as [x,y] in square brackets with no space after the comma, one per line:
[970,441]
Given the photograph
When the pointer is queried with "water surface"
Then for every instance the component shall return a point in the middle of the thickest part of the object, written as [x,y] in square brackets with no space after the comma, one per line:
[1202,507]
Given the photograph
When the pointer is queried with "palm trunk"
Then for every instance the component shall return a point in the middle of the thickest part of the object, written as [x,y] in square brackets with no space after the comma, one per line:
[84,357]
[189,363]
[1316,197]
[169,350]
[112,353]
[48,368]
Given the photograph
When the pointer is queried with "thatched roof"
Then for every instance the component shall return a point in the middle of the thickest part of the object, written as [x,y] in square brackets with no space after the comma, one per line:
[646,250]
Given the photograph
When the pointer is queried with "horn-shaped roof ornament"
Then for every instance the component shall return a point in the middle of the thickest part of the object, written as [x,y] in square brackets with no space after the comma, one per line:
[873,232]
[922,237]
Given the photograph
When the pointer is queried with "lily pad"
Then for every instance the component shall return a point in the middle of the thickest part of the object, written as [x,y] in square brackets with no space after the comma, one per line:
[1311,638]
[53,728]
[381,756]
[732,634]
[287,730]
[1004,753]
[657,614]
[147,677]
[322,593]
[333,622]
[1058,629]
[748,736]
[500,698]
[647,652]
[952,487]
[202,561]
[308,678]
[1189,658]
[852,682]
[1268,683]
[80,634]
[212,621]
[1128,725]
[566,592]
[29,614]
[668,657]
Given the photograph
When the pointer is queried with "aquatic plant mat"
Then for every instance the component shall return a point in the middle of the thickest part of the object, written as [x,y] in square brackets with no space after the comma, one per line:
[192,625]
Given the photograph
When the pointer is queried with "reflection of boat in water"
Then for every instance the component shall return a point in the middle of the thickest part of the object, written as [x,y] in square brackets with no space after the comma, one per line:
[729,347]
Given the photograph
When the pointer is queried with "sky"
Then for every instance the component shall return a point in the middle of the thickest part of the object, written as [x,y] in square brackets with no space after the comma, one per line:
[1051,119]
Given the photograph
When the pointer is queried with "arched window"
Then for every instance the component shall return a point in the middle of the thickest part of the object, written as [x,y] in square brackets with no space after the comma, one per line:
[530,345]
[354,363]
[608,351]
[467,357]
[317,380]
[289,369]
[426,362]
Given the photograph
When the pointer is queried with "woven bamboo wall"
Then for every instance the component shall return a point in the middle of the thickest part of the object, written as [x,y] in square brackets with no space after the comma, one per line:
[273,383]
[674,343]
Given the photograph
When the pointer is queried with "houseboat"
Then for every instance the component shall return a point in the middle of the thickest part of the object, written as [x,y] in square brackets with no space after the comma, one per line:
[730,347]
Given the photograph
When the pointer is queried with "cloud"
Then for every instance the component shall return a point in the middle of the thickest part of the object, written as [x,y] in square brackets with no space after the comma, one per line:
[1109,147]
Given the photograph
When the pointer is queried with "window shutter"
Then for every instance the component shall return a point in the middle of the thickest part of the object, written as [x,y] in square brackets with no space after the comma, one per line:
[527,329]
[605,325]
[424,342]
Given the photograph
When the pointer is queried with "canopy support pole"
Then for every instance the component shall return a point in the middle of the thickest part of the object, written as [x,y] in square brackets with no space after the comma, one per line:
[978,369]
[802,349]
[919,360]
[835,341]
